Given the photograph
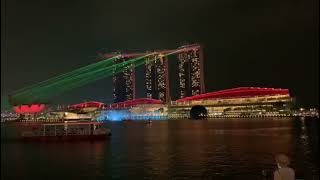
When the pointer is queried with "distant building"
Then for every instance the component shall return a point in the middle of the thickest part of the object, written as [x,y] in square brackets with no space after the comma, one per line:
[137,109]
[123,80]
[190,70]
[157,80]
[238,102]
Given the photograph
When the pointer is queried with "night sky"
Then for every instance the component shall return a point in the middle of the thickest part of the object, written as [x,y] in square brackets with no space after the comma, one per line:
[267,43]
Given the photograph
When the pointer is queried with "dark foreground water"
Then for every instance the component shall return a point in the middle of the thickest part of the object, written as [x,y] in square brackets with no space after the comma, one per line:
[174,149]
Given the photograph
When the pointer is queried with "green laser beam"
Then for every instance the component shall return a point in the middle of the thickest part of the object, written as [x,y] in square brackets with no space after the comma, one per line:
[72,73]
[75,78]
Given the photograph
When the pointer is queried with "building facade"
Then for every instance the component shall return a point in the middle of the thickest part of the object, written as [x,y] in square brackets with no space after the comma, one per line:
[157,79]
[191,81]
[238,102]
[137,109]
[123,80]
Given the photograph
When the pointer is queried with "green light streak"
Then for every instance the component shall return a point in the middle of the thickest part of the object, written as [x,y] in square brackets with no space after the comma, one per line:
[81,79]
[90,67]
[77,78]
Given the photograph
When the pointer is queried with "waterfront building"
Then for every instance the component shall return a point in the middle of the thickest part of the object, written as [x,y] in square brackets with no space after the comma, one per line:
[137,109]
[243,101]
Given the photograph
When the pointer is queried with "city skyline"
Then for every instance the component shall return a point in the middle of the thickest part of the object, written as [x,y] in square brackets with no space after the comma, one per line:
[159,89]
[263,50]
[157,81]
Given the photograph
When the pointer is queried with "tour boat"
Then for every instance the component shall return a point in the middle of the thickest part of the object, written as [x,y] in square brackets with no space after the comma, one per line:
[67,130]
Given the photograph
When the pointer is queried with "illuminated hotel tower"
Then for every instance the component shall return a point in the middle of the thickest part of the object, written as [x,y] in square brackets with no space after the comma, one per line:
[123,81]
[157,79]
[191,80]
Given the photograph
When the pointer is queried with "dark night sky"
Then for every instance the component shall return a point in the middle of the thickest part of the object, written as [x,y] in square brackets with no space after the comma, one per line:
[267,43]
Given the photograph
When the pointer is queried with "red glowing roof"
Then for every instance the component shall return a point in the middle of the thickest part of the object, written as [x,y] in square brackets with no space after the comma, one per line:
[237,93]
[87,104]
[135,102]
[28,109]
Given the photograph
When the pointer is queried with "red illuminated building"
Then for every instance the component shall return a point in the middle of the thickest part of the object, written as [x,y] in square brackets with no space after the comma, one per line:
[243,101]
[29,109]
[135,102]
[241,92]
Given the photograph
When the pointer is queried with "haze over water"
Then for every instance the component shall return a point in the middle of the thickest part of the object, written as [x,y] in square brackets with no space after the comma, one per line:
[174,149]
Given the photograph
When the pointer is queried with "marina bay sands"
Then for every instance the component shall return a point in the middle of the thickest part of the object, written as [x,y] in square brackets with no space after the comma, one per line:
[193,99]
[159,90]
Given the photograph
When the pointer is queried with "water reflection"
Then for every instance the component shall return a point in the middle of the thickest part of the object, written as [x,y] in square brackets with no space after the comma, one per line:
[52,160]
[181,149]
[307,137]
